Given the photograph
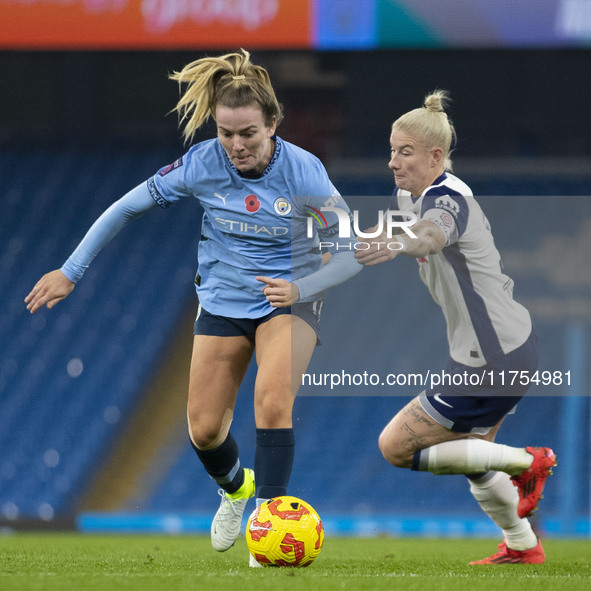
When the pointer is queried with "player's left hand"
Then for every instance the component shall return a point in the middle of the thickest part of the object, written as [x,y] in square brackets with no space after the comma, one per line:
[280,293]
[52,288]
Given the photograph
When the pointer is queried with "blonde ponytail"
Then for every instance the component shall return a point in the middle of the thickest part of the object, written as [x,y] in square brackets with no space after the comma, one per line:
[230,80]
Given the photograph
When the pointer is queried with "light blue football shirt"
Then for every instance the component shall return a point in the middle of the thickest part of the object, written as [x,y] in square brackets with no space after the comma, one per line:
[250,227]
[247,223]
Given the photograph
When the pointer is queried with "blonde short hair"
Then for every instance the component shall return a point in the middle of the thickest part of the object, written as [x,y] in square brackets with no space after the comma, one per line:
[231,80]
[431,125]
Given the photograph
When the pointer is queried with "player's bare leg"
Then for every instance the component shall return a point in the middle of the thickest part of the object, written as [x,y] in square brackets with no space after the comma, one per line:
[414,440]
[284,346]
[218,367]
[411,430]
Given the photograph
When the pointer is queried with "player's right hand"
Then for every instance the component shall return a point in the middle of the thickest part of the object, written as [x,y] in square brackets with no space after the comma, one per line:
[49,290]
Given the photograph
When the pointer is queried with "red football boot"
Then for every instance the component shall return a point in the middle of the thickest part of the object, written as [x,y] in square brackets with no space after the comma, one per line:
[530,483]
[506,555]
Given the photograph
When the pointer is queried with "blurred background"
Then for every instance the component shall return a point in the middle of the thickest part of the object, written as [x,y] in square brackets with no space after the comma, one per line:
[92,393]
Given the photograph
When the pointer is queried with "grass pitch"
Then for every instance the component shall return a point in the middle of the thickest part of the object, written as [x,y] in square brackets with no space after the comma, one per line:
[79,562]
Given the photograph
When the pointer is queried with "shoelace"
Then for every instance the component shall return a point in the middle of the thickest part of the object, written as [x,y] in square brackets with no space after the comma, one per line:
[228,501]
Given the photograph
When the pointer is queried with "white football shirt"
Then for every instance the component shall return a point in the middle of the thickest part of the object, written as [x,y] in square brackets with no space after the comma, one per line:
[466,278]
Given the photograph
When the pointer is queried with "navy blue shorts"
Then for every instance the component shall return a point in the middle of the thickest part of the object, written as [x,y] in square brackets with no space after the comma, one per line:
[467,408]
[223,326]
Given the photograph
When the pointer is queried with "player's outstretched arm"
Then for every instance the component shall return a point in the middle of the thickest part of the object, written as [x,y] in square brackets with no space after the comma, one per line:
[55,286]
[429,239]
[49,290]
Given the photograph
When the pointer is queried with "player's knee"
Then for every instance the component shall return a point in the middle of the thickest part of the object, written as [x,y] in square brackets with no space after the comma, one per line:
[204,433]
[393,452]
[203,438]
[273,411]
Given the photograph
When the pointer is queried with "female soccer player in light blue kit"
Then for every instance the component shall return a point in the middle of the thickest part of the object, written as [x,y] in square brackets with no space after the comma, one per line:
[451,429]
[261,277]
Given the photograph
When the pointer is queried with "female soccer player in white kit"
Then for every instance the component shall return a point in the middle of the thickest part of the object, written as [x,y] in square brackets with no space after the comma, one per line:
[451,429]
[261,279]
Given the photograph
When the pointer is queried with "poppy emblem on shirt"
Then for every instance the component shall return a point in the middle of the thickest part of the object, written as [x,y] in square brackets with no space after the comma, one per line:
[252,203]
[282,206]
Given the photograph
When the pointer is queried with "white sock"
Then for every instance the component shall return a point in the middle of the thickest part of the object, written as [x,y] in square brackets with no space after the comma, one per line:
[498,498]
[473,456]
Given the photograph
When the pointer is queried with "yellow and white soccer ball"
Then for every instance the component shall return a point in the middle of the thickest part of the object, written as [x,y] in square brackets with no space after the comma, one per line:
[284,531]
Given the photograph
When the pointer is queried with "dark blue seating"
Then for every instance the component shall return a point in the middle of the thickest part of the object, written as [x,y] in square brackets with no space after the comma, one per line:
[70,377]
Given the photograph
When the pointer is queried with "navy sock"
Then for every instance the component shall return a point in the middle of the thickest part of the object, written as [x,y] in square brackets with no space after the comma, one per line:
[273,461]
[222,464]
[477,476]
[416,460]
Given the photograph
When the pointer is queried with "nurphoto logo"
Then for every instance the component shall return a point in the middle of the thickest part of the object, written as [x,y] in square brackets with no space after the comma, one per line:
[388,221]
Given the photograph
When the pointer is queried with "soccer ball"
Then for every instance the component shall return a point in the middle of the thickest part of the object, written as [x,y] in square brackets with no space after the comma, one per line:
[284,531]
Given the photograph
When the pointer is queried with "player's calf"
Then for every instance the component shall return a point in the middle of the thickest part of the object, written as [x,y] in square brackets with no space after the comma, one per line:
[393,452]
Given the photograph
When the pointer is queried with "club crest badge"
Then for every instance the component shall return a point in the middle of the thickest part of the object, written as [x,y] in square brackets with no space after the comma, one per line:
[282,206]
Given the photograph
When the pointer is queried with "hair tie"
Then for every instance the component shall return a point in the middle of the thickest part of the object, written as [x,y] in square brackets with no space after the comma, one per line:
[241,77]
